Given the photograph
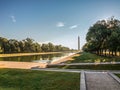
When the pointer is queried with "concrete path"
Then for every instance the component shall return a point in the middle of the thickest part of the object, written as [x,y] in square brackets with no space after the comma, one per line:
[101,81]
[75,70]
[56,70]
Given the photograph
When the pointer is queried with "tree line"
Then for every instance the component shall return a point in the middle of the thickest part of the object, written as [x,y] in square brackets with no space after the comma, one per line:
[28,45]
[104,37]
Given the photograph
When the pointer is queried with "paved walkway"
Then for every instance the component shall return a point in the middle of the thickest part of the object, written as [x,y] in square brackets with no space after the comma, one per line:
[100,81]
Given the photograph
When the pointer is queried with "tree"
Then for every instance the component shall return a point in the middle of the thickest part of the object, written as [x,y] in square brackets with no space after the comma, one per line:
[45,47]
[37,47]
[14,46]
[4,45]
[103,36]
[22,46]
[27,45]
[51,47]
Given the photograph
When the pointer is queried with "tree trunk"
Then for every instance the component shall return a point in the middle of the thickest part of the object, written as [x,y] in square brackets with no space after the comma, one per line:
[115,52]
[112,52]
[109,52]
[100,51]
[97,52]
[105,52]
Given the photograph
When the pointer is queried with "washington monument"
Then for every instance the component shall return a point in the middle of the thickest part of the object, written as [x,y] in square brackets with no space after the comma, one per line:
[78,43]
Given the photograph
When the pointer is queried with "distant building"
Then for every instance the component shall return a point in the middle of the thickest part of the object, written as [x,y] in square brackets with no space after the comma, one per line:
[78,43]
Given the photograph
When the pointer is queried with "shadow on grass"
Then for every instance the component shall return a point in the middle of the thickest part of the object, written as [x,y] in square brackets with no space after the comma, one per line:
[88,67]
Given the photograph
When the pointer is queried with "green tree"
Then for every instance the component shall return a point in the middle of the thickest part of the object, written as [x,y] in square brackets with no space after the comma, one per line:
[4,45]
[45,47]
[37,47]
[103,36]
[14,46]
[51,47]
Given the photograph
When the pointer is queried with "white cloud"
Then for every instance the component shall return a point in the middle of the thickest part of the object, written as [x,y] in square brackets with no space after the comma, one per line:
[74,26]
[13,18]
[60,24]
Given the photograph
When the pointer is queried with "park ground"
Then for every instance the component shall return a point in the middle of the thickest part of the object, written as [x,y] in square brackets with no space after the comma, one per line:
[15,79]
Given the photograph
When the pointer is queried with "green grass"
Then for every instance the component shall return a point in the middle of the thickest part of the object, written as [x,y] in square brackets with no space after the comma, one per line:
[88,67]
[95,67]
[118,75]
[17,79]
[90,58]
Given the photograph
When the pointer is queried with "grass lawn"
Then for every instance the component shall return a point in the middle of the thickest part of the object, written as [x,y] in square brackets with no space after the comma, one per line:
[17,79]
[89,67]
[90,58]
[96,67]
[118,75]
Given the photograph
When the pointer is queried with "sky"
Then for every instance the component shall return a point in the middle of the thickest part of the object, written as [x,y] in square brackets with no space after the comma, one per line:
[56,21]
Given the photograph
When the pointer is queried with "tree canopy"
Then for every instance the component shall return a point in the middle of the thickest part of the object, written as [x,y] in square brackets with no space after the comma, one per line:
[103,36]
[28,45]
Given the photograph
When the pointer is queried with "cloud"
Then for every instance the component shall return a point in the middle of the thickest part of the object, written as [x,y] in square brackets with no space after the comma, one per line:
[13,18]
[60,24]
[74,26]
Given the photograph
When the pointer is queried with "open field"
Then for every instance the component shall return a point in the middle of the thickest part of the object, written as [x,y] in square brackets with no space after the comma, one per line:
[90,58]
[85,57]
[16,79]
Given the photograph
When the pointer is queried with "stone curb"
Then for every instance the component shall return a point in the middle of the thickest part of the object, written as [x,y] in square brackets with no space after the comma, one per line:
[114,77]
[82,81]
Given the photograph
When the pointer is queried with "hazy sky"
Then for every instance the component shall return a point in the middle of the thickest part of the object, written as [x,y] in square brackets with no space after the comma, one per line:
[56,21]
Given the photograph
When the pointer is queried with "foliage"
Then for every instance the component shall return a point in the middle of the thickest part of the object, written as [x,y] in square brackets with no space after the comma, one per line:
[16,79]
[104,36]
[27,45]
